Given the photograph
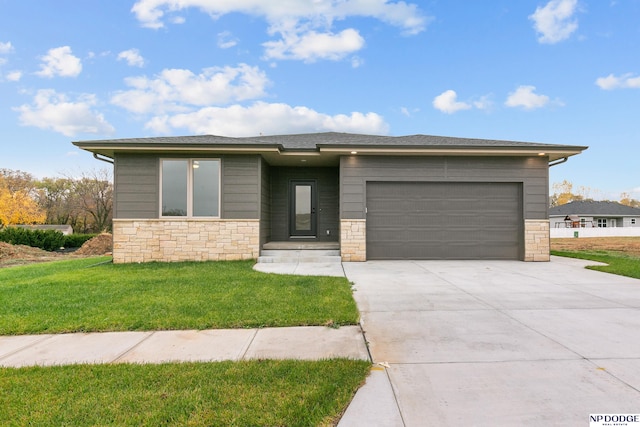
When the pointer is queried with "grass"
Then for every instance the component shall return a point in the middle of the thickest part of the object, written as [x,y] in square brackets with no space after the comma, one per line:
[256,393]
[87,296]
[96,295]
[617,262]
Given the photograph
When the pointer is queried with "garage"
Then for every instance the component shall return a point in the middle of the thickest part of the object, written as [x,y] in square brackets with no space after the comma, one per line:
[444,220]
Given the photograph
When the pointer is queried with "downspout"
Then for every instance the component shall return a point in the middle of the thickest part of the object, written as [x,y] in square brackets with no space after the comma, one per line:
[557,162]
[95,156]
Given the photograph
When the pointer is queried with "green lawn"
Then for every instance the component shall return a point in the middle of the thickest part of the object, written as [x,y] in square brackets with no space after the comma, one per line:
[256,393]
[93,294]
[618,262]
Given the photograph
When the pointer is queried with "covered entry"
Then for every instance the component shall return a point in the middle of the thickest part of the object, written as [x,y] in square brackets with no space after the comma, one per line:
[444,220]
[303,204]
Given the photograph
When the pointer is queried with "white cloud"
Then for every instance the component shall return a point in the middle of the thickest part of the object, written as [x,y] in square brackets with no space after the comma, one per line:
[447,102]
[525,97]
[226,40]
[14,76]
[625,81]
[484,103]
[554,21]
[409,112]
[356,62]
[265,118]
[60,62]
[312,46]
[54,111]
[132,56]
[176,90]
[304,27]
[6,47]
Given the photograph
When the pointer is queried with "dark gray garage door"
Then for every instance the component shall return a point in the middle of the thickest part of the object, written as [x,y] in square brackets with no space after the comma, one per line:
[462,220]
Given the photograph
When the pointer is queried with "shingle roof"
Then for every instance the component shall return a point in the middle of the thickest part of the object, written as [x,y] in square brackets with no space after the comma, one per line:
[313,141]
[593,208]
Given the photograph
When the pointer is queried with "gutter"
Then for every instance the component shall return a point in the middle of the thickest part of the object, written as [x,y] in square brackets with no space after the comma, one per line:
[95,156]
[559,161]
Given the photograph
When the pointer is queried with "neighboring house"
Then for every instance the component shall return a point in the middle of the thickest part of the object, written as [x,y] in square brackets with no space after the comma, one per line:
[593,214]
[64,229]
[378,197]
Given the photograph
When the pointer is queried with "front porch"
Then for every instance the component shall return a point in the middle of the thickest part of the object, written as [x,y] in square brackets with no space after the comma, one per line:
[298,245]
[297,252]
[300,205]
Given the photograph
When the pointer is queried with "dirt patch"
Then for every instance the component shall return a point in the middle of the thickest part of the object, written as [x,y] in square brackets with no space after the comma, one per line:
[102,244]
[20,251]
[12,255]
[628,245]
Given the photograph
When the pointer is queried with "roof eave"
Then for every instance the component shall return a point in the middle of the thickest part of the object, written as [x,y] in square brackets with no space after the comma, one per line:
[554,153]
[109,150]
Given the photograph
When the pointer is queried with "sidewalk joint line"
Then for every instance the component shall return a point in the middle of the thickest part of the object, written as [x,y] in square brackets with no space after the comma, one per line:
[136,345]
[246,350]
[12,353]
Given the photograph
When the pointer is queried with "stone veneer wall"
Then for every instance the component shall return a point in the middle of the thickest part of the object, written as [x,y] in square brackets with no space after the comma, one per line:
[536,240]
[185,240]
[353,239]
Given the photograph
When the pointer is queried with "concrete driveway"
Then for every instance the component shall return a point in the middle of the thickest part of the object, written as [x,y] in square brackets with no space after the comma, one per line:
[496,343]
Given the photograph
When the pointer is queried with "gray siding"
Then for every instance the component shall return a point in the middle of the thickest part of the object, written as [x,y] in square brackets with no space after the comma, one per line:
[355,171]
[241,185]
[136,185]
[328,201]
[265,203]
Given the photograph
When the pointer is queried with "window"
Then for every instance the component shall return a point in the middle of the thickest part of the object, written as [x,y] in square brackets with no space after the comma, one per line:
[190,187]
[602,222]
[633,221]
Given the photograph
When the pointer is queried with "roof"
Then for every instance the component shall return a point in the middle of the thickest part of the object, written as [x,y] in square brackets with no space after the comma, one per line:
[330,145]
[594,208]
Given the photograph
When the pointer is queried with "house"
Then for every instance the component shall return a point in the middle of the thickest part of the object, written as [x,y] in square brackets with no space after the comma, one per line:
[377,197]
[585,214]
[64,229]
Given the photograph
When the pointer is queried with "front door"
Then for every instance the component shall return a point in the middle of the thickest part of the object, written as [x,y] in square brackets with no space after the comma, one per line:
[302,208]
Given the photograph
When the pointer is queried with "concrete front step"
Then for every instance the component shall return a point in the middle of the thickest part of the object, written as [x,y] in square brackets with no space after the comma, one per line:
[300,252]
[297,245]
[301,255]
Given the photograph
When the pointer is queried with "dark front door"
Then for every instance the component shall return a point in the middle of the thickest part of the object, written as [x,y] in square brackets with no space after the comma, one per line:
[302,208]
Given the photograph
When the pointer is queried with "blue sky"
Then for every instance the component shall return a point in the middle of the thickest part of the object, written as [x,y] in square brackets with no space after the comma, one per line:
[559,71]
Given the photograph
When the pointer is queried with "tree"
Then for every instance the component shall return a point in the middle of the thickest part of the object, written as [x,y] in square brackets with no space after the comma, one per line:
[16,180]
[16,204]
[563,194]
[94,197]
[625,199]
[55,196]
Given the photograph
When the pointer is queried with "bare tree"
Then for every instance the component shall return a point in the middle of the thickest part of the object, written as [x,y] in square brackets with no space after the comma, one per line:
[55,197]
[93,193]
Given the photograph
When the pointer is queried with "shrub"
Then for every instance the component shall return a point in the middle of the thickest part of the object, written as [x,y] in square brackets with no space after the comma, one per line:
[77,240]
[49,240]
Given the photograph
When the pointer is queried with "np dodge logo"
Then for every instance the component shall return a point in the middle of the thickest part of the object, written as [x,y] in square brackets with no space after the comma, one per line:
[614,420]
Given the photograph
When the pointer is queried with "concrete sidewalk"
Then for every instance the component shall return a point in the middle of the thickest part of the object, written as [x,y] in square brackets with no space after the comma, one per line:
[303,343]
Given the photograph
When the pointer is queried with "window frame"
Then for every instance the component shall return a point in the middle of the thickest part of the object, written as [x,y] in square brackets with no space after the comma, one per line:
[190,161]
